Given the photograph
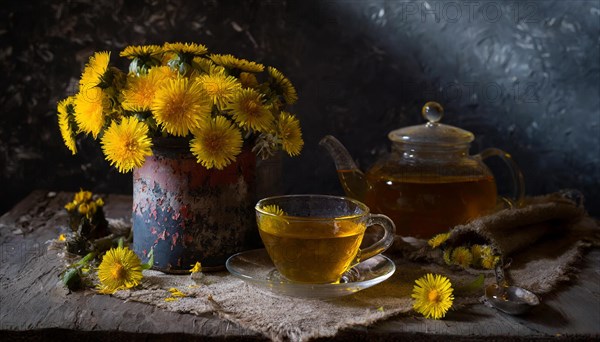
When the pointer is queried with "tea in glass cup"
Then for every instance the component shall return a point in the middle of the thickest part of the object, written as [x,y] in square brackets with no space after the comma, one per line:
[316,238]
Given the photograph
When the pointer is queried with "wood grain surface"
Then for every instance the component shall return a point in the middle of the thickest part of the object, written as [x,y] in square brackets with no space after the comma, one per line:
[32,306]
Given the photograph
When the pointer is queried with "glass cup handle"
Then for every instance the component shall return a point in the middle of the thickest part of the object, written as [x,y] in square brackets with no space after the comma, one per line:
[515,172]
[384,243]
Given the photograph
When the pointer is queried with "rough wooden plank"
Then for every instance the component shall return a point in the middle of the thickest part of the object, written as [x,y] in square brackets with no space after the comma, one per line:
[31,303]
[573,311]
[30,299]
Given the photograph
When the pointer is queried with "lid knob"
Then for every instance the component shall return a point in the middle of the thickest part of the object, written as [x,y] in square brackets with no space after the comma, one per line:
[432,112]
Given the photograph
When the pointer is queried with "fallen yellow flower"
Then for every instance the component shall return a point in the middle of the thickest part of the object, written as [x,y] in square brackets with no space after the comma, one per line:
[197,268]
[176,293]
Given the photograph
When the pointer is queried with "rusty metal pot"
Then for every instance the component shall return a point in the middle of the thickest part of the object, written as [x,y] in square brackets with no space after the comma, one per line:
[187,213]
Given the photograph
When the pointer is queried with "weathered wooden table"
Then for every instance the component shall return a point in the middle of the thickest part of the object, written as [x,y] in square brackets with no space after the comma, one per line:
[32,306]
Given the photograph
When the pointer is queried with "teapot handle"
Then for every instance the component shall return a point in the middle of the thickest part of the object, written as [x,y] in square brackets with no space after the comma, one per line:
[515,172]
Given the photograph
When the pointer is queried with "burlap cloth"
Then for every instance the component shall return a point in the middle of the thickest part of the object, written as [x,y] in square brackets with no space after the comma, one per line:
[545,239]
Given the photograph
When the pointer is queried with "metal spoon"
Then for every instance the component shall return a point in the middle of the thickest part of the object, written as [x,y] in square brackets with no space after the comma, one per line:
[512,300]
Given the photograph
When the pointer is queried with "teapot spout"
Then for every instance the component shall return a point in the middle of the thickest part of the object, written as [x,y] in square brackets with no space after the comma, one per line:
[352,179]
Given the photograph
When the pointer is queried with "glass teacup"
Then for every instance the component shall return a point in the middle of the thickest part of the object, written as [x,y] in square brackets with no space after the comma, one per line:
[316,238]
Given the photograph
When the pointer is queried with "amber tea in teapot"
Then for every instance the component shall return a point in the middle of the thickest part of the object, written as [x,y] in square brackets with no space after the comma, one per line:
[429,183]
[428,207]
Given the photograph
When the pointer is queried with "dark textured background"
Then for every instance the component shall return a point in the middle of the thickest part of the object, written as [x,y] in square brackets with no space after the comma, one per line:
[523,76]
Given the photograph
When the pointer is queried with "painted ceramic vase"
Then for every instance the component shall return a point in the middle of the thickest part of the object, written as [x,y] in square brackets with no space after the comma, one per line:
[187,213]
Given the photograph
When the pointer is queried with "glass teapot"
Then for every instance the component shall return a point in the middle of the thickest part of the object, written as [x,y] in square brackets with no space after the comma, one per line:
[428,183]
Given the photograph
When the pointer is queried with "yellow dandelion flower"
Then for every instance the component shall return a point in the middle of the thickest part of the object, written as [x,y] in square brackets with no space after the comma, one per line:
[478,252]
[120,269]
[448,256]
[216,69]
[100,202]
[90,107]
[141,51]
[82,196]
[126,144]
[140,91]
[70,206]
[83,208]
[206,66]
[203,64]
[180,106]
[217,143]
[192,49]
[288,130]
[489,261]
[62,237]
[66,122]
[248,80]
[273,209]
[220,88]
[248,110]
[462,256]
[433,296]
[197,267]
[283,86]
[270,223]
[437,240]
[94,71]
[163,73]
[176,293]
[231,62]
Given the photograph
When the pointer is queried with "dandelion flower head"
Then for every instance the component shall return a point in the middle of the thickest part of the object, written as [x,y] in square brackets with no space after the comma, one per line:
[90,107]
[448,256]
[196,268]
[283,86]
[270,223]
[489,261]
[190,49]
[288,130]
[66,122]
[273,209]
[433,296]
[94,71]
[462,256]
[140,91]
[249,111]
[180,106]
[220,88]
[141,51]
[248,80]
[231,62]
[217,143]
[437,240]
[204,64]
[126,144]
[120,269]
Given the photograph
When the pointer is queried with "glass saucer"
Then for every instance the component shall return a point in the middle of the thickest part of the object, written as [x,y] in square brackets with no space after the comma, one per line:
[256,268]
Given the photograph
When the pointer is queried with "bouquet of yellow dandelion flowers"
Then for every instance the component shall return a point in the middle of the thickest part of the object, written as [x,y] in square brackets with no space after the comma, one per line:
[218,103]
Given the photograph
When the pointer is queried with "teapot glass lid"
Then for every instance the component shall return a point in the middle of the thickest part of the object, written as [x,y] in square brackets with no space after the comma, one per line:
[432,133]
